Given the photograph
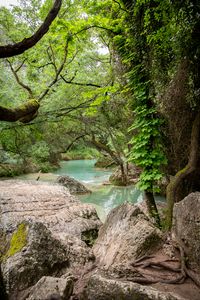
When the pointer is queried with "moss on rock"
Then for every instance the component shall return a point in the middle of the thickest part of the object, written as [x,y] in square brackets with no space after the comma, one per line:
[18,240]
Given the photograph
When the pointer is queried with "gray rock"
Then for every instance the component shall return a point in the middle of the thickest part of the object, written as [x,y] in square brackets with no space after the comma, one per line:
[126,235]
[101,288]
[59,229]
[133,174]
[186,226]
[33,253]
[51,204]
[74,186]
[49,288]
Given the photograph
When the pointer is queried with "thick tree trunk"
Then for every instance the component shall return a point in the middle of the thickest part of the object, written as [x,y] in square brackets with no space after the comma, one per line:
[151,206]
[175,182]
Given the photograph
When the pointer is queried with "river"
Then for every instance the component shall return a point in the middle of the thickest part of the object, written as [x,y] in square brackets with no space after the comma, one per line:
[104,197]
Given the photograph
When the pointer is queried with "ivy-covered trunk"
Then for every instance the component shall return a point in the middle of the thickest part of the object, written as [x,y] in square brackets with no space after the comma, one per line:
[146,151]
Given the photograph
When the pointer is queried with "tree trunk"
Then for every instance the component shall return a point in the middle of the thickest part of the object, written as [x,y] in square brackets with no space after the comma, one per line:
[124,174]
[151,206]
[175,182]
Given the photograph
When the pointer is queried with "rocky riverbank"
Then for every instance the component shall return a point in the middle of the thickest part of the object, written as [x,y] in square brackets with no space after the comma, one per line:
[55,247]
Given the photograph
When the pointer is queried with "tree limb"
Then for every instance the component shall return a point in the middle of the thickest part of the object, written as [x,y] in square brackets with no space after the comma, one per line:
[79,83]
[25,44]
[57,72]
[24,86]
[24,113]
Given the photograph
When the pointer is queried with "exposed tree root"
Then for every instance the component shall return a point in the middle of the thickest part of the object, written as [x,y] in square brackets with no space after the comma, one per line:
[163,266]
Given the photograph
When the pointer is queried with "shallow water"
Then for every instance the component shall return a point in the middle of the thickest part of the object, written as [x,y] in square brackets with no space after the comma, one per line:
[84,171]
[104,197]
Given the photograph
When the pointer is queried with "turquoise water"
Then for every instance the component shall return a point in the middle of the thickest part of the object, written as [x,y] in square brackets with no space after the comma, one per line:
[104,197]
[84,171]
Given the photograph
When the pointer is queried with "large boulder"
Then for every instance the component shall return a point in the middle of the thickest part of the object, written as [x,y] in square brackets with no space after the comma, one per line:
[126,235]
[75,187]
[186,226]
[32,252]
[101,288]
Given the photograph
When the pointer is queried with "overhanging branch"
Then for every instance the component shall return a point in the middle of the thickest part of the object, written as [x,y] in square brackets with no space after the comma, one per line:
[23,113]
[25,44]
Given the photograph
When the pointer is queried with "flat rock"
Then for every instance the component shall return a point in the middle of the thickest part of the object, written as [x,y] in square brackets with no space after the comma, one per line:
[101,288]
[126,235]
[186,226]
[50,204]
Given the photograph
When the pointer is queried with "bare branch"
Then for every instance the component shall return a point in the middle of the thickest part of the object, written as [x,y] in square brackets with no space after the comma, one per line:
[24,86]
[59,70]
[79,83]
[20,66]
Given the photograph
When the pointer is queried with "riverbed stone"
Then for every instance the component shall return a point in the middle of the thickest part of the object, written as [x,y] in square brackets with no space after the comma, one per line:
[75,187]
[101,288]
[116,177]
[186,226]
[51,288]
[126,235]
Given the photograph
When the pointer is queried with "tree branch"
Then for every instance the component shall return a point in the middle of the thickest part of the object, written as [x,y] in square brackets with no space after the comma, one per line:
[24,86]
[79,83]
[57,72]
[24,113]
[25,44]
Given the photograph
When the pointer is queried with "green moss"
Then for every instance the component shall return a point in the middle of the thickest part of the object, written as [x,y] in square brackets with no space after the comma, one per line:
[18,240]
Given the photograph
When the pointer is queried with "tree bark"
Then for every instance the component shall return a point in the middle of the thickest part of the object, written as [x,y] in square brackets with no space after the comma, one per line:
[23,113]
[188,169]
[151,206]
[25,44]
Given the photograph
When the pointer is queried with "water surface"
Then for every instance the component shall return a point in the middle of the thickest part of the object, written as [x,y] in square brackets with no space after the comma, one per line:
[104,197]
